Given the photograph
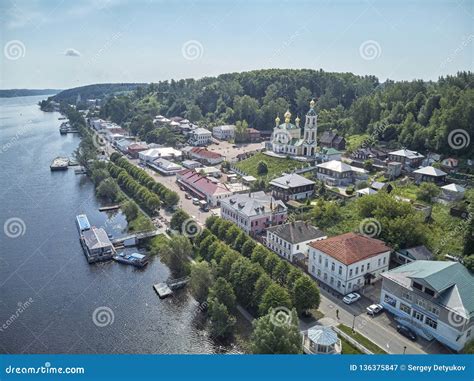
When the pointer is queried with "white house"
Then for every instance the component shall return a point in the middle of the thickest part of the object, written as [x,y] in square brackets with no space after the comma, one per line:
[165,167]
[200,137]
[349,261]
[152,154]
[337,173]
[292,238]
[452,192]
[225,132]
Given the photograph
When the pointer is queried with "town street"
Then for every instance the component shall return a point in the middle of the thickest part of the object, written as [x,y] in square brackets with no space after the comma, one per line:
[380,329]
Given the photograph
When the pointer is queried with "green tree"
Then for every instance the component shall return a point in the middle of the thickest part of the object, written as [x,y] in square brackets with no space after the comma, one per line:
[262,168]
[178,218]
[222,291]
[469,262]
[222,323]
[108,190]
[175,255]
[200,281]
[130,209]
[247,248]
[427,191]
[305,294]
[271,338]
[275,296]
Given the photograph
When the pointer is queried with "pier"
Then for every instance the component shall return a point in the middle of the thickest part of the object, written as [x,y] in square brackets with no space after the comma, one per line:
[59,164]
[166,289]
[133,239]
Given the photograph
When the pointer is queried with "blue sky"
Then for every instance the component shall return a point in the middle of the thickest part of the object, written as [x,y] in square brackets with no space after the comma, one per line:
[63,43]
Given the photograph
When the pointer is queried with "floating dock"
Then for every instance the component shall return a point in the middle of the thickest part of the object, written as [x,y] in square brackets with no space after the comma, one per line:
[59,164]
[166,289]
[163,290]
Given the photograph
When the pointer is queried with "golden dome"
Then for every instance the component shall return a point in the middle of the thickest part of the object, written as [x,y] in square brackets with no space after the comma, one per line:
[277,120]
[287,116]
[297,120]
[312,103]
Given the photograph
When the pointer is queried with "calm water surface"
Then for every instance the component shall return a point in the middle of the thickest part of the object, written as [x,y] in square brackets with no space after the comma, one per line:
[48,292]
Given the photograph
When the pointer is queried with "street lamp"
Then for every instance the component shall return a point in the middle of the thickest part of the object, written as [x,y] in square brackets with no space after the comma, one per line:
[404,349]
[353,322]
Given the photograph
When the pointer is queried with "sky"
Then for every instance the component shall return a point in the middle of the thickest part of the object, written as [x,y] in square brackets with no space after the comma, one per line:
[64,43]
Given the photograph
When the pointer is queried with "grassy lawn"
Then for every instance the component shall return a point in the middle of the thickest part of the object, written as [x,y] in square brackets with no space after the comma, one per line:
[275,165]
[355,141]
[348,348]
[361,339]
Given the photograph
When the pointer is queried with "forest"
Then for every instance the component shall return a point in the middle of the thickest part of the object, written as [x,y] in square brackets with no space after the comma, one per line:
[415,114]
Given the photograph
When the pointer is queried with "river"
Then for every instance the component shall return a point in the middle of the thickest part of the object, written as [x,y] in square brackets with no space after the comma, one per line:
[51,299]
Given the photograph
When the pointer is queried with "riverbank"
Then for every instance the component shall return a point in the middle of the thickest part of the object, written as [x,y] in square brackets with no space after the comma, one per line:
[44,260]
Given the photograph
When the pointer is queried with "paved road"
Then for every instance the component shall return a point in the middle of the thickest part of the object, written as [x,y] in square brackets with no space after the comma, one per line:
[380,329]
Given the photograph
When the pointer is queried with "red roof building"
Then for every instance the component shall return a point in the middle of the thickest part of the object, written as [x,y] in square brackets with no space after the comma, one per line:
[205,188]
[348,261]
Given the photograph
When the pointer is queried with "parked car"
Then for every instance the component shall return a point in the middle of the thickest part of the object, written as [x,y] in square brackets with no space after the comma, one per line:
[351,298]
[374,309]
[407,332]
[187,196]
[195,201]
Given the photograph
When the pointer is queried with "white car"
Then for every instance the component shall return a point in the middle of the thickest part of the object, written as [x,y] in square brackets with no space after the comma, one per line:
[351,298]
[374,309]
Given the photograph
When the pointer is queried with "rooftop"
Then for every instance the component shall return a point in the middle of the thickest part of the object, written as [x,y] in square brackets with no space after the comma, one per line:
[350,248]
[96,238]
[451,280]
[292,180]
[417,253]
[430,171]
[454,188]
[204,153]
[254,204]
[296,232]
[202,184]
[407,153]
[336,166]
[322,335]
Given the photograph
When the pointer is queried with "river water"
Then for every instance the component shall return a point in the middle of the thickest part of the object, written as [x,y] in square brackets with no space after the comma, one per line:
[51,299]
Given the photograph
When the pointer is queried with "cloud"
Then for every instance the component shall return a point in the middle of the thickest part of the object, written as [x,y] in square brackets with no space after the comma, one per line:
[72,53]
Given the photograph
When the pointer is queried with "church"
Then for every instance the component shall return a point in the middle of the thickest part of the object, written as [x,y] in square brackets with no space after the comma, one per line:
[286,138]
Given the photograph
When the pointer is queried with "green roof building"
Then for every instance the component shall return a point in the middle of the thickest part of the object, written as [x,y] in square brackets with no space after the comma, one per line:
[434,298]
